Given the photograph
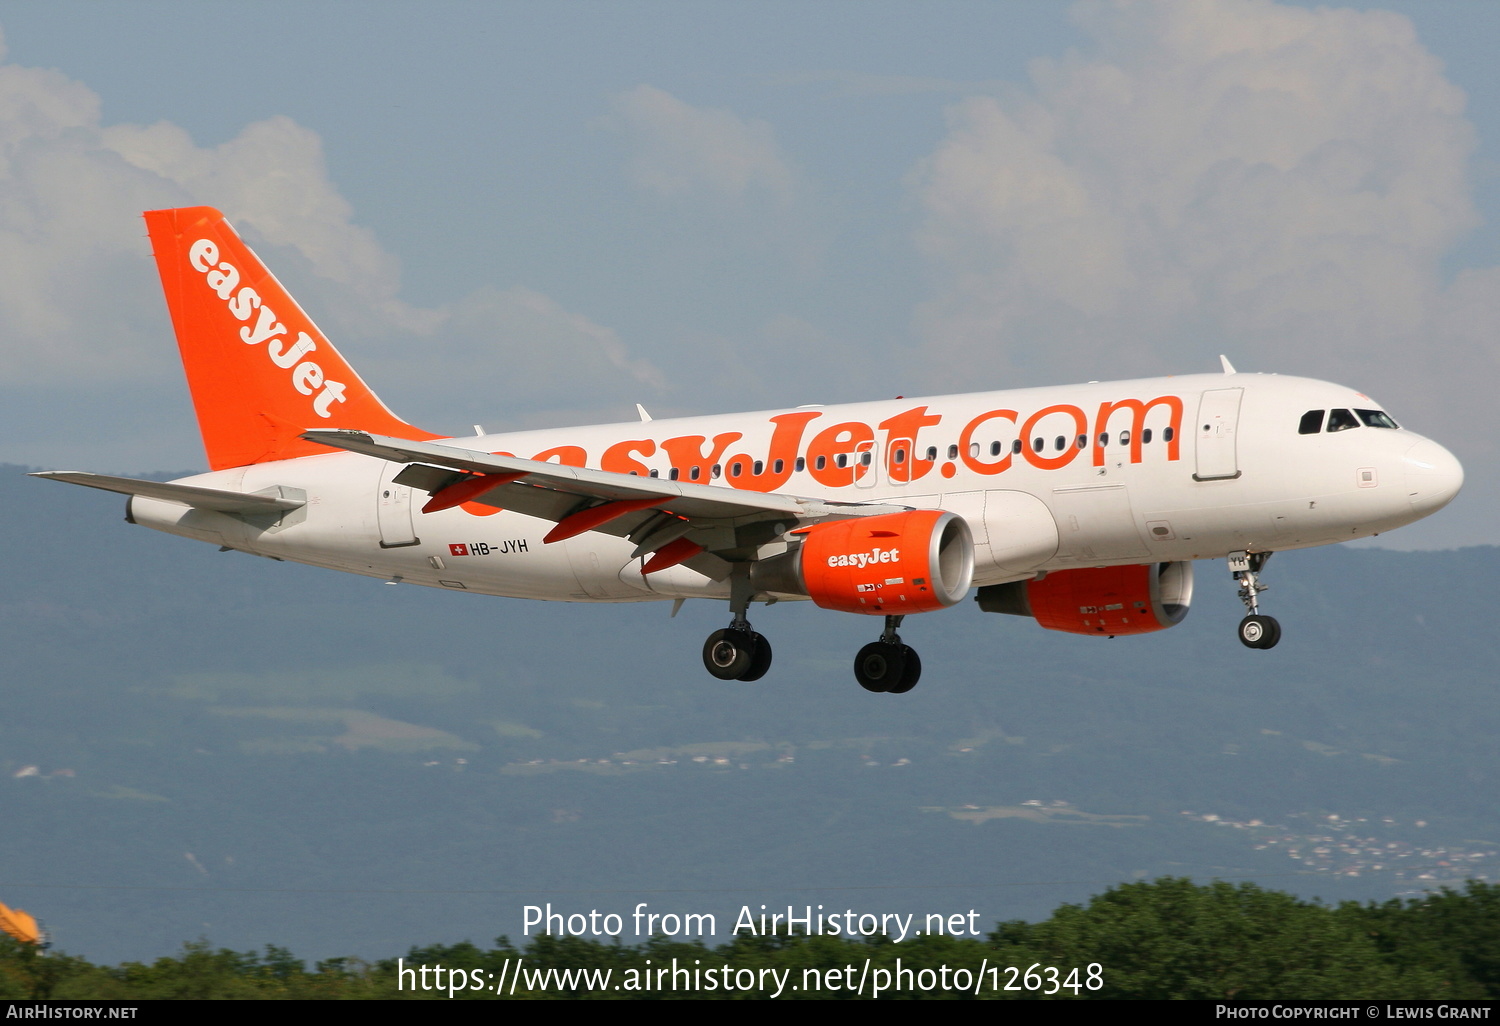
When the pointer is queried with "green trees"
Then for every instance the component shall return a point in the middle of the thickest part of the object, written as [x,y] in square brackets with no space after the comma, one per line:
[1453,935]
[1176,939]
[1170,938]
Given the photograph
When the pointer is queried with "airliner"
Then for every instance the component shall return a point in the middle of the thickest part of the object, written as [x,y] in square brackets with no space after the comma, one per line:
[1082,507]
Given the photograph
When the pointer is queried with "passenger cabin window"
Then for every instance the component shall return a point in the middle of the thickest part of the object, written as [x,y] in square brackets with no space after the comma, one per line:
[1312,423]
[801,464]
[1376,418]
[1145,436]
[776,466]
[995,448]
[1341,420]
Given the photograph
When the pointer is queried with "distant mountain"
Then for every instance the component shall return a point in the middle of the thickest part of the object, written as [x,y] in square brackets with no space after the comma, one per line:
[197,743]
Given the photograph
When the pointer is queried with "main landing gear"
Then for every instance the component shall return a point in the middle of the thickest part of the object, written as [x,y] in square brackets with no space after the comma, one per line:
[737,652]
[1256,631]
[887,665]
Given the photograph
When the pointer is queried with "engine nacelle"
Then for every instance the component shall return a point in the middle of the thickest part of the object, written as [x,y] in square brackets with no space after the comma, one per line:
[888,565]
[1105,600]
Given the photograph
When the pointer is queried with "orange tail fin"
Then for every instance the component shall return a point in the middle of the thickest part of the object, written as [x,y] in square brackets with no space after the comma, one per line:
[259,370]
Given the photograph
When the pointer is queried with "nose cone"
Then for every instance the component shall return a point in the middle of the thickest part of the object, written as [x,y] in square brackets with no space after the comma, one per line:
[1433,477]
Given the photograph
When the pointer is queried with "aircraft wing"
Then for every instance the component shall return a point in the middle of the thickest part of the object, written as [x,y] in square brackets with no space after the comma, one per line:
[216,499]
[657,514]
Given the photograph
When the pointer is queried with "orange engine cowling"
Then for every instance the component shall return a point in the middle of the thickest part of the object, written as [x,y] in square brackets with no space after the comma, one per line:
[1104,600]
[891,565]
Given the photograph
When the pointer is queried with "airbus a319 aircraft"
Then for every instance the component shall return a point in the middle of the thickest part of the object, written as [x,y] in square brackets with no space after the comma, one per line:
[1081,506]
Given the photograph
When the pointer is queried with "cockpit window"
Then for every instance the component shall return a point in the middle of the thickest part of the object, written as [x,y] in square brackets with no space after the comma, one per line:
[1341,420]
[1312,423]
[1376,418]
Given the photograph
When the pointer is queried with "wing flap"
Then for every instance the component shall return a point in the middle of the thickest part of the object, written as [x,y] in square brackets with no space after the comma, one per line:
[683,497]
[717,520]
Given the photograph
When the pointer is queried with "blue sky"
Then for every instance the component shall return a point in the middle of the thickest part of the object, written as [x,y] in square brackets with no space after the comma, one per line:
[531,214]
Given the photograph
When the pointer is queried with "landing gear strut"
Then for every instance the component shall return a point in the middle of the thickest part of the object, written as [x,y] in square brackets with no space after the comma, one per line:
[887,665]
[1256,631]
[737,652]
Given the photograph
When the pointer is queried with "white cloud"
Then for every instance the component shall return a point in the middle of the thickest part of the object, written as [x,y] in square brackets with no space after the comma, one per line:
[1235,175]
[681,149]
[271,175]
[80,303]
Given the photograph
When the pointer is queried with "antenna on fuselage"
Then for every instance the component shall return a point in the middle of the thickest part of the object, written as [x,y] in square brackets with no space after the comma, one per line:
[1228,367]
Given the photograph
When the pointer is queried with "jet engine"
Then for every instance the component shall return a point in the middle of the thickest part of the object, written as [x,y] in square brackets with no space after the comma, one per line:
[890,565]
[1104,600]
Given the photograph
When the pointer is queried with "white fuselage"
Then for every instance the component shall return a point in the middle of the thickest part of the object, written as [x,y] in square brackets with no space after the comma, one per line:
[1096,474]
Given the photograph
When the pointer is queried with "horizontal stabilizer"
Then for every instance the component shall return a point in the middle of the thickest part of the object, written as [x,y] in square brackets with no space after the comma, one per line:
[215,499]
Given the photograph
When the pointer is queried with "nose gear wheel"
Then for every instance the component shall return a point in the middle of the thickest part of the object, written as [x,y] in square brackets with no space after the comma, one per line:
[1256,630]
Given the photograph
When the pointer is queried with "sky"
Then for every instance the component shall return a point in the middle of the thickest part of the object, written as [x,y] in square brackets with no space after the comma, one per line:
[529,215]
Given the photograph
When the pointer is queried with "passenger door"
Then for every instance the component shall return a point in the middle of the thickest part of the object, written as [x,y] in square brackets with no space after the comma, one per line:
[1218,420]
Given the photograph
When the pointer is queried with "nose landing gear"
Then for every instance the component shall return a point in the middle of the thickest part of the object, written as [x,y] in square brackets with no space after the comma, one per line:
[1256,631]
